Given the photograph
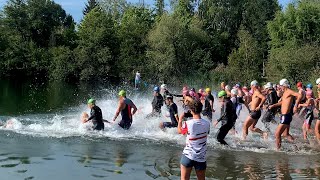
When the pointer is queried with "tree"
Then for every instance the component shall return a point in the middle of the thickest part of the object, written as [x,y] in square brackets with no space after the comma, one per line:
[176,50]
[244,63]
[134,28]
[222,19]
[159,8]
[295,42]
[98,45]
[91,4]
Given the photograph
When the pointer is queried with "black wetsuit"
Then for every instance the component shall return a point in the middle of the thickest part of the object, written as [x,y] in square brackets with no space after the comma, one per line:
[126,115]
[271,98]
[157,103]
[96,117]
[173,109]
[207,107]
[228,118]
[167,93]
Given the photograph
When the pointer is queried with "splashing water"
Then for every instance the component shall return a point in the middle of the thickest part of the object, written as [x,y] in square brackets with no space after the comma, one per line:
[67,124]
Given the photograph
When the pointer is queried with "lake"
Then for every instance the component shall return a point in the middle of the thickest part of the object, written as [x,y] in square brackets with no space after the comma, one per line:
[47,141]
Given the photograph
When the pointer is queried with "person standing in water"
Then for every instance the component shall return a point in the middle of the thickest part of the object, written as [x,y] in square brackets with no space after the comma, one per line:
[288,108]
[255,111]
[125,107]
[194,153]
[271,98]
[308,111]
[137,80]
[228,116]
[95,116]
[157,103]
[173,110]
[208,105]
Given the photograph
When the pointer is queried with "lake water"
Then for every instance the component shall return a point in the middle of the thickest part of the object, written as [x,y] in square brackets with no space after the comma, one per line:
[47,141]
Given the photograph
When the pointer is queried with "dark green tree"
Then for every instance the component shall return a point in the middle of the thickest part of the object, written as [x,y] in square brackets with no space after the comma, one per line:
[133,31]
[98,43]
[160,7]
[91,4]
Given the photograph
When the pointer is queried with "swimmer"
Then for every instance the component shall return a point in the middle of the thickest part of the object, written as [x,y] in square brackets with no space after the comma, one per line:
[255,111]
[287,111]
[95,116]
[157,103]
[271,98]
[208,105]
[309,107]
[173,110]
[125,108]
[228,117]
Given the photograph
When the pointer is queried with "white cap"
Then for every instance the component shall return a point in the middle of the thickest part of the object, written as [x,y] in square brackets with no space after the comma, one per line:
[163,86]
[254,83]
[318,81]
[269,85]
[234,91]
[284,82]
[228,87]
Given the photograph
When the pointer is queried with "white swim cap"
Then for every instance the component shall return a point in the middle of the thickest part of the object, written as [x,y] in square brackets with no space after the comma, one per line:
[284,82]
[163,86]
[318,81]
[234,91]
[254,83]
[269,85]
[228,87]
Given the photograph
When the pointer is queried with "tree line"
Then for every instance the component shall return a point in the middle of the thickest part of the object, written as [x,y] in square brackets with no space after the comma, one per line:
[200,40]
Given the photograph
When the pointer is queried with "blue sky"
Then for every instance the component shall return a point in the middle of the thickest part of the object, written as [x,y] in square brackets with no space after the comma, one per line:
[75,7]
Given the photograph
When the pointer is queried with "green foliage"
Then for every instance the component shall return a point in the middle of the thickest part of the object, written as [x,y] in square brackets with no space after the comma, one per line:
[91,4]
[97,45]
[62,66]
[293,62]
[295,42]
[176,49]
[134,28]
[244,63]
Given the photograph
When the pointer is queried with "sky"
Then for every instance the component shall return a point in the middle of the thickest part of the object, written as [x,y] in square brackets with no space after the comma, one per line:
[75,7]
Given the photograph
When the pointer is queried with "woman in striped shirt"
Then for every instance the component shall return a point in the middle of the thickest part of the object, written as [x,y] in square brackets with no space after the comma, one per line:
[194,153]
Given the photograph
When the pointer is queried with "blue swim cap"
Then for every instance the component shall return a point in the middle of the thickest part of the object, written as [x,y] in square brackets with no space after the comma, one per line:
[309,86]
[156,89]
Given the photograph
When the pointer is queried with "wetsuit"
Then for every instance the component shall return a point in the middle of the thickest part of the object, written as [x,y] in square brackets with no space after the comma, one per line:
[126,114]
[157,103]
[167,93]
[269,115]
[228,119]
[96,117]
[173,109]
[207,107]
[309,117]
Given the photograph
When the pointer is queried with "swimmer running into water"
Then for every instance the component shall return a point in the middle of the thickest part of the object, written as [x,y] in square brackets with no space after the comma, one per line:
[125,108]
[255,111]
[287,110]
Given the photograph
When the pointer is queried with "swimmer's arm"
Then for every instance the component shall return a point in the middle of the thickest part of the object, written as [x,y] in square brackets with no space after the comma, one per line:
[308,103]
[263,99]
[276,105]
[180,123]
[91,117]
[134,107]
[120,107]
[177,95]
[298,96]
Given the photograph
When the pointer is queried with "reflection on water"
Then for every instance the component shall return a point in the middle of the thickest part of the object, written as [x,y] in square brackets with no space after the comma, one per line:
[25,157]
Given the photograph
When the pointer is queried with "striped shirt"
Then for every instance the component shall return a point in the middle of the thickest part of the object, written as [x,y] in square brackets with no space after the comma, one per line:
[197,131]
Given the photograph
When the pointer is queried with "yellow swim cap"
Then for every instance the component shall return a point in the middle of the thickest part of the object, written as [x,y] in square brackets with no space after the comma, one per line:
[122,93]
[208,90]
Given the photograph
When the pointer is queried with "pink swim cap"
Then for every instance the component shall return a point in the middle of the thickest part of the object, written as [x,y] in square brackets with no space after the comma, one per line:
[185,88]
[309,93]
[192,93]
[201,91]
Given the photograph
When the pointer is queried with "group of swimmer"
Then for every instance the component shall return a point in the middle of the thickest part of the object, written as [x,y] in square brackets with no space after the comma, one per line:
[263,102]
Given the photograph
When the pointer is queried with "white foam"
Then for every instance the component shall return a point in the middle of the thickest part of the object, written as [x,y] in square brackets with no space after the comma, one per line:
[68,125]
